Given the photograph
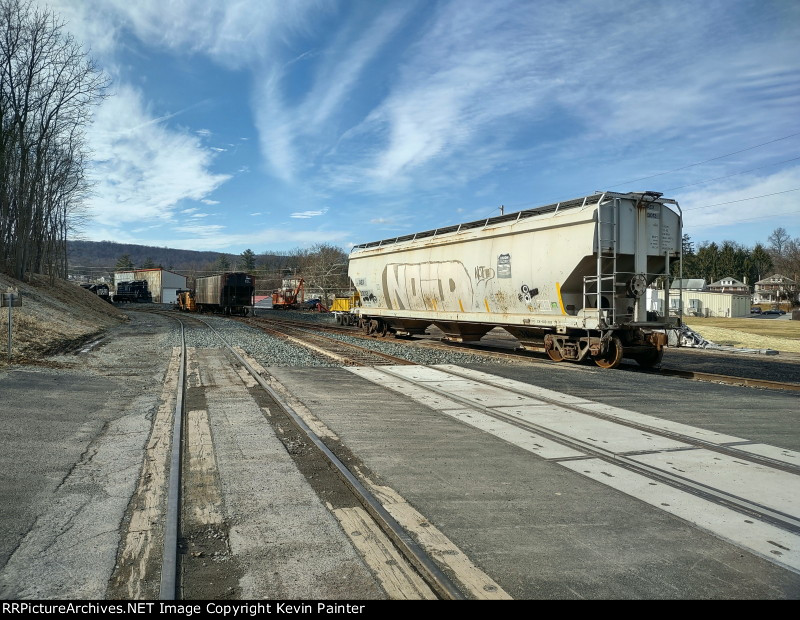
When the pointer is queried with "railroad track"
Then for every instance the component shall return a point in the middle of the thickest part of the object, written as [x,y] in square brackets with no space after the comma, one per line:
[177,552]
[346,353]
[743,491]
[530,357]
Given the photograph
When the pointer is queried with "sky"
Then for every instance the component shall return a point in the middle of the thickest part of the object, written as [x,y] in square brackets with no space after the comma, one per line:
[273,125]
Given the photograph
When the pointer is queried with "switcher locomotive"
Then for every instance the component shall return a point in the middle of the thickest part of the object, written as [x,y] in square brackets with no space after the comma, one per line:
[568,278]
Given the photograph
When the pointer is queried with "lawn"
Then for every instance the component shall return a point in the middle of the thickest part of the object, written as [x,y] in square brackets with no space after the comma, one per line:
[757,333]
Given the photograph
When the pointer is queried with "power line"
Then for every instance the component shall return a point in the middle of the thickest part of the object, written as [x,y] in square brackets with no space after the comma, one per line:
[669,189]
[749,148]
[742,199]
[760,217]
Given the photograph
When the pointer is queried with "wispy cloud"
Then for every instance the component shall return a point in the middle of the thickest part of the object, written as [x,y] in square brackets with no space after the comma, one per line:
[284,128]
[304,215]
[745,199]
[143,170]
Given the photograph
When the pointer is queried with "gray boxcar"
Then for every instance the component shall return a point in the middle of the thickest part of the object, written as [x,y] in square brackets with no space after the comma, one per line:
[566,278]
[229,293]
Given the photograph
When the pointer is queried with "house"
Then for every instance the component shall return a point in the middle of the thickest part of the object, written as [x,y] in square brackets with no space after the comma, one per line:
[729,285]
[774,289]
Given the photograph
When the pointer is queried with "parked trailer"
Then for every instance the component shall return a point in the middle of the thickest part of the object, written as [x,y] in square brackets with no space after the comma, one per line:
[229,293]
[566,278]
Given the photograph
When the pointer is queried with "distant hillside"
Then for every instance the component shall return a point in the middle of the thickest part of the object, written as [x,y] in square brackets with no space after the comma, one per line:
[105,254]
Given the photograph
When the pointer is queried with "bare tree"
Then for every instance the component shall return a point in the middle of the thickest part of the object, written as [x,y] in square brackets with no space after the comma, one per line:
[48,88]
[324,268]
[777,241]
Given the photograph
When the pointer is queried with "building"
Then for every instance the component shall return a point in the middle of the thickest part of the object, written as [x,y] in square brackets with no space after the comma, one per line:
[689,284]
[729,285]
[162,284]
[774,289]
[700,303]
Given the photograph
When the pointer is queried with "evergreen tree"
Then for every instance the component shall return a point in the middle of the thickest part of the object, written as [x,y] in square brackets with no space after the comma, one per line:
[222,263]
[247,261]
[124,263]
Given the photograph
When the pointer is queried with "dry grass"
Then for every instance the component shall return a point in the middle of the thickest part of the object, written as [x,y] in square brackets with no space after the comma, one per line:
[778,334]
[52,317]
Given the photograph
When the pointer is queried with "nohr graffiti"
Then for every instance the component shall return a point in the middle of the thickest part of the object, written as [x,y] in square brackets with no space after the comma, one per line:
[483,273]
[443,286]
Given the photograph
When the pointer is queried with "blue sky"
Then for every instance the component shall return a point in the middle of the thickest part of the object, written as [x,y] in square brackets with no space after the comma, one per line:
[273,125]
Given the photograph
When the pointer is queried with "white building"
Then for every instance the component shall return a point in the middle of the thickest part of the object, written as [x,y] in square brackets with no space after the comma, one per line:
[700,303]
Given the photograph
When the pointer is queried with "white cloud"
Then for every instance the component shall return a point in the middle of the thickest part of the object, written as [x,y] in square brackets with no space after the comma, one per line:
[741,200]
[142,170]
[304,215]
[284,127]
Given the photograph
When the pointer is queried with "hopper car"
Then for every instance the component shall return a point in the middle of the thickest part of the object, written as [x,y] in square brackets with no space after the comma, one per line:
[568,279]
[228,293]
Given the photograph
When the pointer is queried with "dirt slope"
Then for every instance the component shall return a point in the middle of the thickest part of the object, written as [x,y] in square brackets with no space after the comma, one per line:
[52,318]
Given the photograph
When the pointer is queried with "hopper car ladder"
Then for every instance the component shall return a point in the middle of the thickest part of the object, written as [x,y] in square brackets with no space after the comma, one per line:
[604,284]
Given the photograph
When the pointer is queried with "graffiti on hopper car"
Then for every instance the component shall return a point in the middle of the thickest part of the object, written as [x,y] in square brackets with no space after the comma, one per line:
[443,286]
[483,273]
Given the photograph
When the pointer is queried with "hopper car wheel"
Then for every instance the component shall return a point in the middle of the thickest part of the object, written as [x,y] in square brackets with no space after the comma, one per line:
[554,354]
[613,355]
[650,359]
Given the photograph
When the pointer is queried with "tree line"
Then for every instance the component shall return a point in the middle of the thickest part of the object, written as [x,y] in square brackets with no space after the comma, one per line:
[48,87]
[712,261]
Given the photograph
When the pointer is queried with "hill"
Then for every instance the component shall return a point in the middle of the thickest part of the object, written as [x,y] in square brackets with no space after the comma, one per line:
[53,317]
[87,257]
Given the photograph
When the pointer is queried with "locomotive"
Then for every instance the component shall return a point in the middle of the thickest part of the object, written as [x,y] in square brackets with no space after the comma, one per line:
[133,291]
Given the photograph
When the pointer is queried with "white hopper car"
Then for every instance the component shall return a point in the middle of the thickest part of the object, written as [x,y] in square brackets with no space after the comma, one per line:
[566,278]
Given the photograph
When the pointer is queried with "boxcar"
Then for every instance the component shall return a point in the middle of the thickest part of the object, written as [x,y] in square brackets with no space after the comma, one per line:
[229,293]
[566,278]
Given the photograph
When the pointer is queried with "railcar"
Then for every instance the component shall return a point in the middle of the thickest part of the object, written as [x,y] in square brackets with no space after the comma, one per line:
[567,278]
[184,300]
[101,290]
[228,293]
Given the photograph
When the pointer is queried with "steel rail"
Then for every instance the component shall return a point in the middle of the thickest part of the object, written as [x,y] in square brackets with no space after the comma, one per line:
[778,518]
[726,379]
[490,351]
[169,563]
[728,450]
[364,351]
[429,570]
